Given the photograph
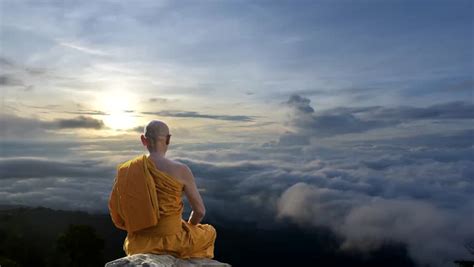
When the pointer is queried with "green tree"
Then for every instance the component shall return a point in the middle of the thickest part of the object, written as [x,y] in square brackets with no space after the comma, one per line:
[81,245]
[6,262]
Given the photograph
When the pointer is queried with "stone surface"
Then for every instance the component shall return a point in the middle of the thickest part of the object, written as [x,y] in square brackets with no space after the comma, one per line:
[155,260]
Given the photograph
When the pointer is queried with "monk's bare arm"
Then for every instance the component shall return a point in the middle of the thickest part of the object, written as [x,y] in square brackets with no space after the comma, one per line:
[192,193]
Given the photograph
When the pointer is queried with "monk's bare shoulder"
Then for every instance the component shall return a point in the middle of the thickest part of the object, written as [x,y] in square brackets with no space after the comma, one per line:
[181,170]
[174,162]
[184,172]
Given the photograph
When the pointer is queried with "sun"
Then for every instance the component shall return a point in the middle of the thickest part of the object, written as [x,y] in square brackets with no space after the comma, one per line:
[120,106]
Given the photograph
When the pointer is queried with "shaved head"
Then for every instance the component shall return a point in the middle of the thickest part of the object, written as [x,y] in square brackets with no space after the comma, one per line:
[153,130]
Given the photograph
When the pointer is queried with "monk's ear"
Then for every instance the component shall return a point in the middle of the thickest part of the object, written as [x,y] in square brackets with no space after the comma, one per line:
[144,140]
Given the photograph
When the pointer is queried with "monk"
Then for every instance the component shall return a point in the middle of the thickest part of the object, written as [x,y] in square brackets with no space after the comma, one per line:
[146,201]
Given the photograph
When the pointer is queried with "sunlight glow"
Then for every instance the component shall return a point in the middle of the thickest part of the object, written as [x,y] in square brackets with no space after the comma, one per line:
[120,105]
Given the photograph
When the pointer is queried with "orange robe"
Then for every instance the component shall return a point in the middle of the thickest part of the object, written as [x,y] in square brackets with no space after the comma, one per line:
[147,203]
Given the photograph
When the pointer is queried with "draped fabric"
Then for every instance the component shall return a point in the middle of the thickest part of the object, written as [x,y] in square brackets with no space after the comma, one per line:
[133,204]
[147,203]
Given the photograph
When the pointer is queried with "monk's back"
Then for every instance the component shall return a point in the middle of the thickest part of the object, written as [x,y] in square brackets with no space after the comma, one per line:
[171,234]
[168,166]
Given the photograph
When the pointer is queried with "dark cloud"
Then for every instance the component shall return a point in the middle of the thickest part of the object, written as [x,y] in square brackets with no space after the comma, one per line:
[461,139]
[52,106]
[158,99]
[192,114]
[289,138]
[86,112]
[55,108]
[20,127]
[450,110]
[80,122]
[462,86]
[13,126]
[25,148]
[386,162]
[10,64]
[9,80]
[6,63]
[18,168]
[138,129]
[307,122]
[301,104]
[446,87]
[344,120]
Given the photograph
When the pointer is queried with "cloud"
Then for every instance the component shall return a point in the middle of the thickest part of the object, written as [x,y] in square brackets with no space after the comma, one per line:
[345,120]
[23,75]
[9,80]
[301,104]
[376,189]
[13,126]
[411,198]
[462,86]
[289,139]
[82,48]
[79,122]
[446,88]
[20,127]
[8,64]
[57,193]
[56,109]
[86,112]
[192,114]
[60,183]
[307,122]
[16,75]
[453,139]
[24,167]
[367,222]
[158,99]
[406,189]
[138,129]
[371,186]
[450,110]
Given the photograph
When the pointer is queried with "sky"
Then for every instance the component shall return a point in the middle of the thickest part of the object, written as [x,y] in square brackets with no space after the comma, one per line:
[355,115]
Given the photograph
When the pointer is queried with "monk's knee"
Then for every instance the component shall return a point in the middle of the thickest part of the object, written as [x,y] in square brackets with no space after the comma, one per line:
[213,231]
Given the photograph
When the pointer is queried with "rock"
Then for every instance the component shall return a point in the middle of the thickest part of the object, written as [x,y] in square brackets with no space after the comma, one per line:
[156,260]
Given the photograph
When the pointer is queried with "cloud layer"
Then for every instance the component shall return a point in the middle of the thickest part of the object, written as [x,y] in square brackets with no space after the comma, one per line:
[343,120]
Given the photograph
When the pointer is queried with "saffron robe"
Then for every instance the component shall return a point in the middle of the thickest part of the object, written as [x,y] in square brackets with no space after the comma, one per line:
[147,203]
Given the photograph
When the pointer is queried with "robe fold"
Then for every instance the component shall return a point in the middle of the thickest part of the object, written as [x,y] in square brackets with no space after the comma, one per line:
[147,203]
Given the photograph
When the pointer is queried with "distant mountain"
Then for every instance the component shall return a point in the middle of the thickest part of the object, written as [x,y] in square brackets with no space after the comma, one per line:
[28,236]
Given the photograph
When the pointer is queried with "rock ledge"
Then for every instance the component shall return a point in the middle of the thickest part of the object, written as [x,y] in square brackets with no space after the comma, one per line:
[156,260]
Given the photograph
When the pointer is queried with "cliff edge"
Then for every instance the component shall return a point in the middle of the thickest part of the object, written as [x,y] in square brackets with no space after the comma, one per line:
[156,260]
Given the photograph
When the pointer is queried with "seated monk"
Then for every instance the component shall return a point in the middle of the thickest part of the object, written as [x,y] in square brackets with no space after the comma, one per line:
[146,202]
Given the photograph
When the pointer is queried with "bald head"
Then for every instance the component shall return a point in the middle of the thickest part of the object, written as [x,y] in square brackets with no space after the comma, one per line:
[154,130]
